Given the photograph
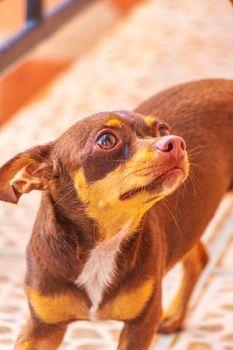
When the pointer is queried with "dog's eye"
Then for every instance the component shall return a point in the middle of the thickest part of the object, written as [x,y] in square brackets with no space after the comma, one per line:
[163,129]
[106,141]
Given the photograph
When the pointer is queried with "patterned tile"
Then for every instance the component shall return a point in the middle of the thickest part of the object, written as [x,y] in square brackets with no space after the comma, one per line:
[210,325]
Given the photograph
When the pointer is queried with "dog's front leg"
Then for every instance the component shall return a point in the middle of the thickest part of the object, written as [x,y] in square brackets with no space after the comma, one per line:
[138,334]
[37,335]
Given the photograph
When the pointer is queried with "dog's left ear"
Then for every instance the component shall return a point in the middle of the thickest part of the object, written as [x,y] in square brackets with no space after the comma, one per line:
[27,171]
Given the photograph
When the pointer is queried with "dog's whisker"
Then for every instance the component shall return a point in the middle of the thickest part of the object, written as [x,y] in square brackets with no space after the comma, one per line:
[191,155]
[192,164]
[192,179]
[174,219]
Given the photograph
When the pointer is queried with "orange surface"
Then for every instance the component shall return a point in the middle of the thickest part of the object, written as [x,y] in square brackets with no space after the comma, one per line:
[11,16]
[20,84]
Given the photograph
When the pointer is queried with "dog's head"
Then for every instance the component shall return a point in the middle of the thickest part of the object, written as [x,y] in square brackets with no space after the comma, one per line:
[113,165]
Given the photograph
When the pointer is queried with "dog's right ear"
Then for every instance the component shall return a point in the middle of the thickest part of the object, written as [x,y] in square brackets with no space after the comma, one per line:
[25,172]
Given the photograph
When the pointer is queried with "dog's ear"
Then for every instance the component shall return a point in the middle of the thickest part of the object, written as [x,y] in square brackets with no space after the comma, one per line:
[27,171]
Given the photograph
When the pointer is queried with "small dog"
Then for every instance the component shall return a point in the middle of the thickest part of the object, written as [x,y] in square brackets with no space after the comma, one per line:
[101,243]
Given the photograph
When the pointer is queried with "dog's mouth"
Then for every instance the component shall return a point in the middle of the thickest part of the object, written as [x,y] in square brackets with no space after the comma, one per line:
[171,178]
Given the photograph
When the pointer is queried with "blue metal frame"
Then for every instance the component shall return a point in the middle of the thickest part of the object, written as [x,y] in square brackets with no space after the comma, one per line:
[34,10]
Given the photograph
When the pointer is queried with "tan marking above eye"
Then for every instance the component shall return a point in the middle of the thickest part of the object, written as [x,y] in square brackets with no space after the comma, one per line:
[113,122]
[149,120]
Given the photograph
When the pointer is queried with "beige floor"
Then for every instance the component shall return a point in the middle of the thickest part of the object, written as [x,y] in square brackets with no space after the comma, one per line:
[161,43]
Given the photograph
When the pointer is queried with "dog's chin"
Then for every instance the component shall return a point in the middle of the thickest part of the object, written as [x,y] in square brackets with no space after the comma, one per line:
[170,181]
[162,185]
[167,183]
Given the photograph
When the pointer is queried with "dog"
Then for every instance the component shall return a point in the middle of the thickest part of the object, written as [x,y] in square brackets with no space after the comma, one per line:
[103,237]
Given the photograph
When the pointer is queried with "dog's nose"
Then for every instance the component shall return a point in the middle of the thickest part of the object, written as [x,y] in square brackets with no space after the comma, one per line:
[174,146]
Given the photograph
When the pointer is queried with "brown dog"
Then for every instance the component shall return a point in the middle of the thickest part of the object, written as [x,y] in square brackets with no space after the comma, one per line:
[100,245]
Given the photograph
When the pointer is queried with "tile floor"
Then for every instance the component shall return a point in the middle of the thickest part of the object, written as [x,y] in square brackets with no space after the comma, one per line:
[161,43]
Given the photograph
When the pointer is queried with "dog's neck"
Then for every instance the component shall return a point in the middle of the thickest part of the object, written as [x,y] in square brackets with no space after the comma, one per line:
[76,224]
[108,222]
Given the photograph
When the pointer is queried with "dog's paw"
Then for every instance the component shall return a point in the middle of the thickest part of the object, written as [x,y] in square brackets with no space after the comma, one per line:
[170,325]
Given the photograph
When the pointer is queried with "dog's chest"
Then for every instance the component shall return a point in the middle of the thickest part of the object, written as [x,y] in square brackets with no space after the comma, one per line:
[97,275]
[100,269]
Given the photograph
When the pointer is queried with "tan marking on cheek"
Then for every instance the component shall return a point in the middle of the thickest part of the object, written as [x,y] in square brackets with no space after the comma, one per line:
[143,155]
[114,122]
[102,201]
[102,197]
[57,308]
[149,120]
[129,305]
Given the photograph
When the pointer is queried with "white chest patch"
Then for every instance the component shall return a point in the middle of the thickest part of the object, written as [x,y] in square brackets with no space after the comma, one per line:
[99,269]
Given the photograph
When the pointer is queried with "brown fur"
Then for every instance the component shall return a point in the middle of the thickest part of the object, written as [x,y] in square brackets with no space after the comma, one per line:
[66,228]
